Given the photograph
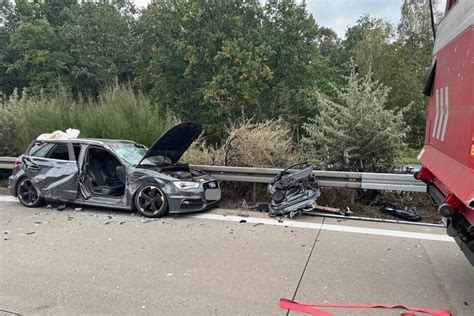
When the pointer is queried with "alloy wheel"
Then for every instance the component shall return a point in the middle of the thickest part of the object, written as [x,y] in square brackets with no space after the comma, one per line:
[27,193]
[150,200]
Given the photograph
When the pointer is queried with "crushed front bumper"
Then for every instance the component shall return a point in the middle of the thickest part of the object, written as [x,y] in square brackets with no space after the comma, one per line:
[193,201]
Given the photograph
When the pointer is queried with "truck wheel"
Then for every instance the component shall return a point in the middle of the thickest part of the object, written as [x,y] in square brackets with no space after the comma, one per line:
[27,194]
[151,201]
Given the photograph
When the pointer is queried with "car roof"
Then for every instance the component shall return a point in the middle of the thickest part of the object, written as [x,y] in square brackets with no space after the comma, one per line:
[92,141]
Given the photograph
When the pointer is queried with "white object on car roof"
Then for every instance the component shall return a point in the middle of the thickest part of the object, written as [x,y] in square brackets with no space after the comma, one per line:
[70,133]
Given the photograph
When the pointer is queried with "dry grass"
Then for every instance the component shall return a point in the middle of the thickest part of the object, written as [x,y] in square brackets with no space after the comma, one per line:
[247,144]
[201,153]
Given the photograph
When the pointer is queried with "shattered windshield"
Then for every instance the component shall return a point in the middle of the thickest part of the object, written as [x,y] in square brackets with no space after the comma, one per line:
[133,153]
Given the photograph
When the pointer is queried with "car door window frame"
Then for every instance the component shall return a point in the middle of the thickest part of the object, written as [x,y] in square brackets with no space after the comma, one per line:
[70,151]
[48,145]
[86,154]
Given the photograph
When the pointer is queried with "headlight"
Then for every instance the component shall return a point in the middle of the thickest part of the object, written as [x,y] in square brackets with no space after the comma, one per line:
[185,185]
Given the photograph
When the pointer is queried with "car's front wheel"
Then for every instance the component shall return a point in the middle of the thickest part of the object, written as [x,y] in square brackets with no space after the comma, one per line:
[150,201]
[28,194]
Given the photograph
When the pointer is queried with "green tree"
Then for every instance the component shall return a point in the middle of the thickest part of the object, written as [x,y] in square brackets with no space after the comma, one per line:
[413,63]
[40,56]
[399,58]
[99,44]
[7,82]
[296,63]
[204,60]
[369,44]
[357,132]
[216,61]
[334,65]
[85,47]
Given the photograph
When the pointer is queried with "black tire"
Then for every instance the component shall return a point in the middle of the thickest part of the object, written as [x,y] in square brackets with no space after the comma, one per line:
[151,201]
[27,194]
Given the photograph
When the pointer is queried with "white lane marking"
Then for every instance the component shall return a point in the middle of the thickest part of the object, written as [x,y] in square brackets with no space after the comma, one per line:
[255,220]
[8,198]
[298,224]
[387,232]
[446,107]
[437,114]
[441,113]
[337,228]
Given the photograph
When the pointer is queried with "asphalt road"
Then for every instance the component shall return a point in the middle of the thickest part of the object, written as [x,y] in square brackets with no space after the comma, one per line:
[112,262]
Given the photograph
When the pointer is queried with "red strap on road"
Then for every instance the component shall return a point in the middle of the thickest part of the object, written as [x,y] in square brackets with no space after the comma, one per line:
[309,308]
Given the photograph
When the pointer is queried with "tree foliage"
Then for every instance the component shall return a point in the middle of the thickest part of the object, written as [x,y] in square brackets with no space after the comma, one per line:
[85,47]
[399,57]
[356,132]
[215,62]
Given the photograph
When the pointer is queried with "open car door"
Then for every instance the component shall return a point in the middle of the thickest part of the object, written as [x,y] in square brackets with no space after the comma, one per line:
[56,175]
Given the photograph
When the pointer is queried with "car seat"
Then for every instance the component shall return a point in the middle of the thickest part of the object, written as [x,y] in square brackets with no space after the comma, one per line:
[101,182]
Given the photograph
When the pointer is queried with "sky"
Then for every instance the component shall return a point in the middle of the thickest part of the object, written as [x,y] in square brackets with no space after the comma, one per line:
[340,14]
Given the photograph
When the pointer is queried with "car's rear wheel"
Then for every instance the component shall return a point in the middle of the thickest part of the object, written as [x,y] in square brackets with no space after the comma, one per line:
[150,201]
[27,194]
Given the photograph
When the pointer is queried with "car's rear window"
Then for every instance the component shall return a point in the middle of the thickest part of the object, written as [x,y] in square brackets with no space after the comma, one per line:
[49,150]
[40,149]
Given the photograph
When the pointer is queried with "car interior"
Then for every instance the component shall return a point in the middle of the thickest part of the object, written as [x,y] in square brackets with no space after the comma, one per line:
[101,173]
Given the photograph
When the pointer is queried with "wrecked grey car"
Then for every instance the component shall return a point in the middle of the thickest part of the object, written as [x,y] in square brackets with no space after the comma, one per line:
[115,173]
[294,192]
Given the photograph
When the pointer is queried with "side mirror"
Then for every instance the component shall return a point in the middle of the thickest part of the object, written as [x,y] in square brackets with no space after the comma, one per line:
[121,173]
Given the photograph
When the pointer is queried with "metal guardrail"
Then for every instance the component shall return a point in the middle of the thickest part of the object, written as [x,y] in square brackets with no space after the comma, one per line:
[335,179]
[7,162]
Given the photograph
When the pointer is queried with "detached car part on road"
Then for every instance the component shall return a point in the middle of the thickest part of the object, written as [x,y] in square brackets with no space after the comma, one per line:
[294,192]
[115,173]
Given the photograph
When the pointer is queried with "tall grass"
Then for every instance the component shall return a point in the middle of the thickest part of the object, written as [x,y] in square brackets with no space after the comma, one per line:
[11,122]
[117,113]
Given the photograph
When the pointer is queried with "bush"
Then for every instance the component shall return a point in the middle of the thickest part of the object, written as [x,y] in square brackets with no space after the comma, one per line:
[10,123]
[201,153]
[45,114]
[118,113]
[247,144]
[356,132]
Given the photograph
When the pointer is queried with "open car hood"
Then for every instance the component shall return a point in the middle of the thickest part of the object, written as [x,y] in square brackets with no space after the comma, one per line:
[174,142]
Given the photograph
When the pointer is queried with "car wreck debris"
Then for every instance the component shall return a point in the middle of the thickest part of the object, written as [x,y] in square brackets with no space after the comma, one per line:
[294,192]
[409,214]
[340,211]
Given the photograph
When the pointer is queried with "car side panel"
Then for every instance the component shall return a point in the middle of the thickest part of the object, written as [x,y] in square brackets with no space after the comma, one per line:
[137,178]
[55,179]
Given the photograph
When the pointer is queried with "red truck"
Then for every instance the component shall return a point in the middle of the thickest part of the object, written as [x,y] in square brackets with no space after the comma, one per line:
[448,152]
